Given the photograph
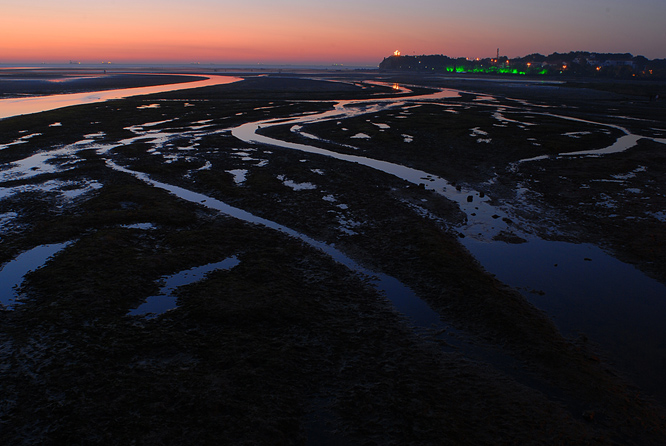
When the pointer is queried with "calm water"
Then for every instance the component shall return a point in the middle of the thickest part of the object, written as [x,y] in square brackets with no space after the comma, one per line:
[23,106]
[579,286]
[12,273]
[584,290]
[166,300]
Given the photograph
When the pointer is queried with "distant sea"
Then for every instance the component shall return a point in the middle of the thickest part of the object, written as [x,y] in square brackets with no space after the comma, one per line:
[185,66]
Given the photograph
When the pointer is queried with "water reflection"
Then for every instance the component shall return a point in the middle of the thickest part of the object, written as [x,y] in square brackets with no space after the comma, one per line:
[11,275]
[616,304]
[402,297]
[165,300]
[23,106]
[582,288]
[483,220]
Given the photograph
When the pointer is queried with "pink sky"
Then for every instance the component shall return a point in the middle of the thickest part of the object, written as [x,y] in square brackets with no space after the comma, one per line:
[324,32]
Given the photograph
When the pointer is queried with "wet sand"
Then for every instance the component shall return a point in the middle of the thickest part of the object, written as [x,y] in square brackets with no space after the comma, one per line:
[287,347]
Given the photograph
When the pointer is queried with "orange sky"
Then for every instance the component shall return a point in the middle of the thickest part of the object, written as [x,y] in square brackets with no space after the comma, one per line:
[324,32]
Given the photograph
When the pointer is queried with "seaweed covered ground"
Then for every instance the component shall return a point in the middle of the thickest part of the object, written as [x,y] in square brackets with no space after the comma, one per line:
[291,346]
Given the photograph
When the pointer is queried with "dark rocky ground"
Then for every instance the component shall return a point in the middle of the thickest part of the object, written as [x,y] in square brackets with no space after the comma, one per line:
[290,347]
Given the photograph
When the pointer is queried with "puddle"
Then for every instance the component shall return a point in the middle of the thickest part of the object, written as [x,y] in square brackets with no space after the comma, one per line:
[578,295]
[416,312]
[22,140]
[576,135]
[504,120]
[582,288]
[66,189]
[380,125]
[142,107]
[142,226]
[621,313]
[483,220]
[240,175]
[296,186]
[476,132]
[12,273]
[165,300]
[405,299]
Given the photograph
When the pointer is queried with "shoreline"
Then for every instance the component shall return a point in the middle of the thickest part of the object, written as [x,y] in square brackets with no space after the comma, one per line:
[22,84]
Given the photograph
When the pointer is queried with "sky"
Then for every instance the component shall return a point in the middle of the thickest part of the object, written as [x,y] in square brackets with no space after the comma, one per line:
[321,32]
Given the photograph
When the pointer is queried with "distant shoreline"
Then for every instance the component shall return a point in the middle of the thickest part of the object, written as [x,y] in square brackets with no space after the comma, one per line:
[34,82]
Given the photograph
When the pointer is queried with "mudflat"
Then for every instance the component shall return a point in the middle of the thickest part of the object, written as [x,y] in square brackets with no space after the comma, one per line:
[291,346]
[31,82]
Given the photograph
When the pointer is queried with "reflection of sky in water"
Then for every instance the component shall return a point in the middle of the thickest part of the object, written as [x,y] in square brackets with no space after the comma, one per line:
[142,226]
[21,106]
[479,212]
[381,125]
[578,293]
[404,299]
[37,164]
[239,175]
[22,140]
[143,107]
[165,300]
[67,189]
[12,273]
[296,186]
[586,289]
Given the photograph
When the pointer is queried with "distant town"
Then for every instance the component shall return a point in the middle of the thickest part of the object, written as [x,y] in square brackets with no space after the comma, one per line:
[575,63]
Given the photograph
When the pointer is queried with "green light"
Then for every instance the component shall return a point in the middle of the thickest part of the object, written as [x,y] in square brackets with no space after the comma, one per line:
[479,69]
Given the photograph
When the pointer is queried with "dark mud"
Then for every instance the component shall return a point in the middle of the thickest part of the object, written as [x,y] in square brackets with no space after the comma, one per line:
[288,347]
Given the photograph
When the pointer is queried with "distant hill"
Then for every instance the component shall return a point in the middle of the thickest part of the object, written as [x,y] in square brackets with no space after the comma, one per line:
[575,63]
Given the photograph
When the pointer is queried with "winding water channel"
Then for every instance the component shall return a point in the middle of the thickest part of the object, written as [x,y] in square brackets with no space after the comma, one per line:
[27,105]
[581,287]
